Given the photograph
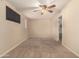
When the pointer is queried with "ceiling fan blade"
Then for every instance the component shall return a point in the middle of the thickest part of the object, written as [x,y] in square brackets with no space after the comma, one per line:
[50,11]
[43,6]
[42,13]
[52,6]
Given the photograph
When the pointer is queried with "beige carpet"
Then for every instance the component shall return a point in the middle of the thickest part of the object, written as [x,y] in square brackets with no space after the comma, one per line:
[40,48]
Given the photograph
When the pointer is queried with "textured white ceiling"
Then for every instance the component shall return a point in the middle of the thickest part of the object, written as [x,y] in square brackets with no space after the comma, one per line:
[26,6]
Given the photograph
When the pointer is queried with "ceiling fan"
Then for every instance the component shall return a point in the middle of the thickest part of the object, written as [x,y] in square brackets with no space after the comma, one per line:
[45,8]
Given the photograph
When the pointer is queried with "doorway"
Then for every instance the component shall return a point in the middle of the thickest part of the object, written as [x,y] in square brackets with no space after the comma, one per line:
[60,28]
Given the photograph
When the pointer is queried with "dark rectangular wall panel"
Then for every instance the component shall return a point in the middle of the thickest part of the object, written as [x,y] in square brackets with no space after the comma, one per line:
[12,15]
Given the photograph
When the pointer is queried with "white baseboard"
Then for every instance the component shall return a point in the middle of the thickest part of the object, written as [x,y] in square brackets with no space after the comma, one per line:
[14,46]
[71,50]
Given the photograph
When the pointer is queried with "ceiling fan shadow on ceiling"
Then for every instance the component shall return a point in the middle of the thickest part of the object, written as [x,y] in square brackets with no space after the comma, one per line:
[45,8]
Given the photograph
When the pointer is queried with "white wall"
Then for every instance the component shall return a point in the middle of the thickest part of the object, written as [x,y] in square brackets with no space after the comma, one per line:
[11,33]
[71,26]
[43,28]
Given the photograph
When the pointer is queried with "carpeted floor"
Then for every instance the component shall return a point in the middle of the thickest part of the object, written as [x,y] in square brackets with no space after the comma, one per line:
[40,48]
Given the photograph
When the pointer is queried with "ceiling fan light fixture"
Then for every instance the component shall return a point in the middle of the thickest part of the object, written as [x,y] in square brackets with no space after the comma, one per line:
[46,8]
